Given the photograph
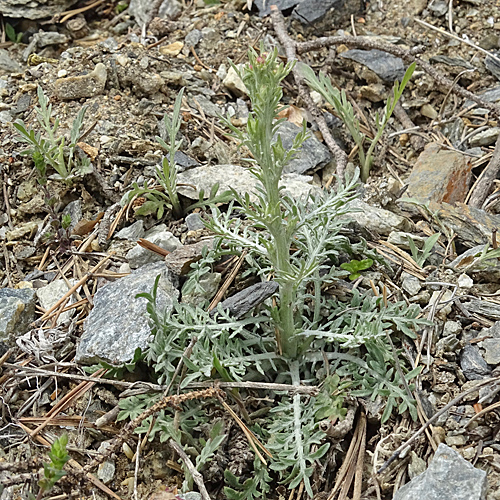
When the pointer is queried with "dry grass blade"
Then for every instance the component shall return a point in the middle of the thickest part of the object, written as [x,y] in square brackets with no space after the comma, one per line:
[252,438]
[66,401]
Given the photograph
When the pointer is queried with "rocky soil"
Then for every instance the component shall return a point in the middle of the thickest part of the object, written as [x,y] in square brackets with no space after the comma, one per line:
[438,153]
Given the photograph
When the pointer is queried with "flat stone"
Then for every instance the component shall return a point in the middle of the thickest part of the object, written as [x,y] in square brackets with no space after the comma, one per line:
[238,178]
[493,66]
[313,155]
[118,323]
[194,222]
[472,363]
[485,138]
[377,219]
[76,87]
[17,311]
[384,65]
[139,9]
[483,308]
[491,351]
[34,9]
[306,11]
[234,83]
[439,175]
[472,226]
[139,256]
[132,232]
[411,284]
[448,477]
[50,294]
[180,260]
[246,300]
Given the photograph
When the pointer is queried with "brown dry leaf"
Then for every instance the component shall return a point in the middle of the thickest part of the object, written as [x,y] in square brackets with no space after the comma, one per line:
[84,226]
[293,114]
[89,150]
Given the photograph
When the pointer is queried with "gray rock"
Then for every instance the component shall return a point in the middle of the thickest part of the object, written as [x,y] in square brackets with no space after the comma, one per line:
[118,323]
[438,8]
[106,471]
[76,87]
[484,138]
[50,294]
[493,66]
[377,219]
[448,476]
[208,107]
[194,222]
[35,9]
[491,345]
[183,161]
[411,284]
[312,155]
[306,11]
[451,61]
[386,66]
[140,9]
[484,308]
[472,363]
[238,178]
[8,65]
[311,11]
[132,232]
[193,38]
[242,302]
[17,311]
[23,104]
[74,210]
[179,261]
[6,117]
[43,39]
[139,256]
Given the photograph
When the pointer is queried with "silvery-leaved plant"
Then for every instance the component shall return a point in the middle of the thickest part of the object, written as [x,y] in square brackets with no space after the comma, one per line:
[303,335]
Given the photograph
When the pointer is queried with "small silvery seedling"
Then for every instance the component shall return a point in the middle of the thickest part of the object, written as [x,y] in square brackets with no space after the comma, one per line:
[166,196]
[344,109]
[48,148]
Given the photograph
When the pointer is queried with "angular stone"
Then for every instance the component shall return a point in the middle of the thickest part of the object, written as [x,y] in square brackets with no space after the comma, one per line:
[7,64]
[439,175]
[484,138]
[132,232]
[194,222]
[35,9]
[118,323]
[139,256]
[448,476]
[242,302]
[50,294]
[472,363]
[180,260]
[204,290]
[472,226]
[311,156]
[483,308]
[17,311]
[238,178]
[384,65]
[76,87]
[234,83]
[377,219]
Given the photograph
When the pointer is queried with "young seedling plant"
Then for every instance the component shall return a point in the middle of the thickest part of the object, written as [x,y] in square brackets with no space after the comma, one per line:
[166,195]
[301,334]
[48,148]
[338,100]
